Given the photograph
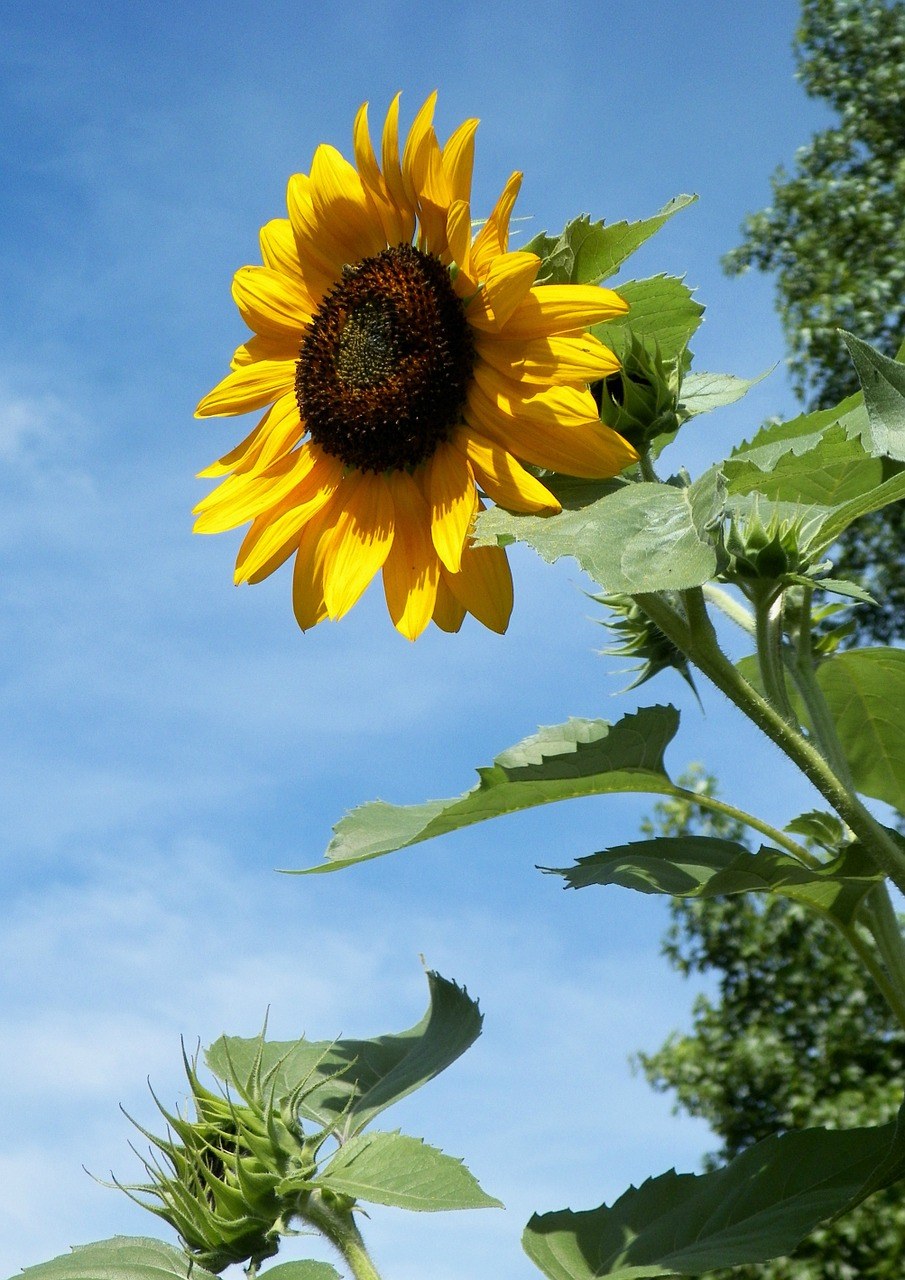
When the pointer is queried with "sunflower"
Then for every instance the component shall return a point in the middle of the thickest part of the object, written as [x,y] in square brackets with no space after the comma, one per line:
[408,367]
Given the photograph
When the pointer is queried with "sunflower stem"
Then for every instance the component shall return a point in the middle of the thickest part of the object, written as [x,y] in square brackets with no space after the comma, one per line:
[695,636]
[338,1226]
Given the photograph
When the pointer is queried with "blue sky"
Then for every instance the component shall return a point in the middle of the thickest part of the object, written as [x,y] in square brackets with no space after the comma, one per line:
[167,741]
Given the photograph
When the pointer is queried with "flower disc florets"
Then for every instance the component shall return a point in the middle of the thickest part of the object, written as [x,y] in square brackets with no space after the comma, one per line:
[385,366]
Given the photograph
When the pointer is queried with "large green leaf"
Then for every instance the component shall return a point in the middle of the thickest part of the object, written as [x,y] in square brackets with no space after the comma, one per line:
[121,1258]
[758,1207]
[642,537]
[662,314]
[883,383]
[865,690]
[862,688]
[588,252]
[802,433]
[835,482]
[392,1169]
[560,762]
[350,1081]
[708,867]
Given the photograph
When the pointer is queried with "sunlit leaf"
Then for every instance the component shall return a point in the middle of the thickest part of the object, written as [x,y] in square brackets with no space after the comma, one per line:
[352,1081]
[883,383]
[662,314]
[560,762]
[392,1169]
[588,252]
[704,392]
[642,537]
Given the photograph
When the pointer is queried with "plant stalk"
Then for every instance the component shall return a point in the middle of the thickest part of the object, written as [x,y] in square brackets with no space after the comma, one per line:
[339,1228]
[695,636]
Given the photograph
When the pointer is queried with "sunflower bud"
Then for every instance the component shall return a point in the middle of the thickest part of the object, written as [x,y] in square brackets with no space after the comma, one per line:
[640,401]
[771,551]
[642,639]
[227,1180]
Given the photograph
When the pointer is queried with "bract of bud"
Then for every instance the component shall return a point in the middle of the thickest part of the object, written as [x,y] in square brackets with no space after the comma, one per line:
[641,401]
[228,1180]
[770,551]
[642,639]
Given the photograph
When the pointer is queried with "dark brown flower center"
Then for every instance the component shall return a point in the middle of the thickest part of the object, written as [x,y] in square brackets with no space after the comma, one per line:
[386,363]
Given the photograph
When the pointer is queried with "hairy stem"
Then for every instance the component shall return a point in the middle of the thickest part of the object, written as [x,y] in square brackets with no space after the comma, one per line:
[695,636]
[339,1227]
[750,820]
[768,621]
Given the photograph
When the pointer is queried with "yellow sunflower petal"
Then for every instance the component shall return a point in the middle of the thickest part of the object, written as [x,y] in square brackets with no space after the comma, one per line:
[265,347]
[448,485]
[274,535]
[503,287]
[277,432]
[361,542]
[248,387]
[503,478]
[448,613]
[339,202]
[415,156]
[458,237]
[247,494]
[321,255]
[548,361]
[493,238]
[411,570]
[271,303]
[310,563]
[279,251]
[458,162]
[392,172]
[392,219]
[549,309]
[532,429]
[484,586]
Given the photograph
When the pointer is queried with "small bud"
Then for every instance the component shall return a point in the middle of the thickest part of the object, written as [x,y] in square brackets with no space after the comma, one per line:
[640,638]
[641,401]
[771,551]
[227,1180]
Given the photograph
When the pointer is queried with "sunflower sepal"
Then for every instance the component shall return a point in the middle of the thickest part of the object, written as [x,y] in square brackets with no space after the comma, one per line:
[641,400]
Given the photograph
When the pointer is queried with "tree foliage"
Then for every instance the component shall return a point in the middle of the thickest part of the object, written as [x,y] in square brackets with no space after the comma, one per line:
[790,1036]
[834,234]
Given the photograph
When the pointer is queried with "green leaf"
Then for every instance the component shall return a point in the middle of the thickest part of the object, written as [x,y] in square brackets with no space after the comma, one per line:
[759,1206]
[704,392]
[823,828]
[642,537]
[835,480]
[121,1258]
[883,383]
[862,688]
[587,252]
[393,1169]
[352,1081]
[710,867]
[802,433]
[560,762]
[865,690]
[302,1270]
[662,314]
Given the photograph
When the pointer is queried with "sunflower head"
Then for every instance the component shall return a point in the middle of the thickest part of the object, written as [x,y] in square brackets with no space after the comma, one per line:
[409,368]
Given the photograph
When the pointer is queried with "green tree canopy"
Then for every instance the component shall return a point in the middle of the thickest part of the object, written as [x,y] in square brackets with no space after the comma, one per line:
[789,1037]
[834,234]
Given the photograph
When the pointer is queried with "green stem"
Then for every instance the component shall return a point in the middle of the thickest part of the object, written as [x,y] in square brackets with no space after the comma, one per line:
[695,636]
[732,608]
[768,622]
[880,918]
[890,990]
[749,820]
[339,1227]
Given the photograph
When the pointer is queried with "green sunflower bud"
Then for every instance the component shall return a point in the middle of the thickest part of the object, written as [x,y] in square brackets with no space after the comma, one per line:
[642,639]
[641,400]
[771,551]
[228,1180]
